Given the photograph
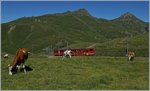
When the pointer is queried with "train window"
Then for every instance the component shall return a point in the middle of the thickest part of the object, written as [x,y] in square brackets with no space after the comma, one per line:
[91,49]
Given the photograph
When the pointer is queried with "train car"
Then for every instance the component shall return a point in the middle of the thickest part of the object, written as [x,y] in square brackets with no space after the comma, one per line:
[76,52]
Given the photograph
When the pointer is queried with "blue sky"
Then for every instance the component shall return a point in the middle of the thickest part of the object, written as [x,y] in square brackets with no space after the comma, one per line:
[11,10]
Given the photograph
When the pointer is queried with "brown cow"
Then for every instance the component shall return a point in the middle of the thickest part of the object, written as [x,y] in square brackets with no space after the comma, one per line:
[20,58]
[131,56]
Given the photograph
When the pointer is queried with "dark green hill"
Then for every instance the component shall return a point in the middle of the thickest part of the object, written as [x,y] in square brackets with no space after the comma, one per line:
[58,30]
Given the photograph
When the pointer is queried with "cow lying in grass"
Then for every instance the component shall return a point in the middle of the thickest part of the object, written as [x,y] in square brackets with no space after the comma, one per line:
[20,58]
[131,56]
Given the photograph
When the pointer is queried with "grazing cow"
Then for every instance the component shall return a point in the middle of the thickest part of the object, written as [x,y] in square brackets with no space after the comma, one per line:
[131,56]
[20,58]
[6,56]
[67,53]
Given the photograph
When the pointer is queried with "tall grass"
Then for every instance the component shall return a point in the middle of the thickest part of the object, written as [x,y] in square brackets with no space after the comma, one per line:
[79,73]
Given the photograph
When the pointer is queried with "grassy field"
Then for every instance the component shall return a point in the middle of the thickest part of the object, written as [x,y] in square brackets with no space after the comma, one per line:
[78,73]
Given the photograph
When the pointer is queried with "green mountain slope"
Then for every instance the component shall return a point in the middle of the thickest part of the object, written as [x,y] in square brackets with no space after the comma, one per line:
[58,30]
[117,47]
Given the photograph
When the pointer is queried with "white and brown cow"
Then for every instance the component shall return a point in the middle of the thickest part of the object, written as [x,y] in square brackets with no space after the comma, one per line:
[131,55]
[20,58]
[67,53]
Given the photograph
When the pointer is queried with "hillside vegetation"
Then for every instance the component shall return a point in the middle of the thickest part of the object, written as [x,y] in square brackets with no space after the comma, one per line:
[77,29]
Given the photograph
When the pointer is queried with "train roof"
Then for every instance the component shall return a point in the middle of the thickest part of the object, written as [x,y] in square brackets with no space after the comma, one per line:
[75,49]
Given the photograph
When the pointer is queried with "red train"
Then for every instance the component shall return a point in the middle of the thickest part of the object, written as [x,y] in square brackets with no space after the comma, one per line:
[76,52]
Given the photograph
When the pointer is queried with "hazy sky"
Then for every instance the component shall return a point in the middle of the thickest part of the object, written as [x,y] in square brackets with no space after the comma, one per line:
[12,10]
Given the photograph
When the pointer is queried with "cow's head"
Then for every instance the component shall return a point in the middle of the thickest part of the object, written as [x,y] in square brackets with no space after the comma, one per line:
[131,57]
[11,69]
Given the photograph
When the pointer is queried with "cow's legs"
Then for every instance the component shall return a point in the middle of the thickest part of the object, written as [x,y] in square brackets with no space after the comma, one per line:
[10,68]
[18,68]
[129,58]
[69,55]
[23,66]
[64,56]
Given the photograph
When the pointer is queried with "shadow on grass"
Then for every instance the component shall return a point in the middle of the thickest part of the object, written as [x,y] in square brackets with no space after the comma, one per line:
[28,68]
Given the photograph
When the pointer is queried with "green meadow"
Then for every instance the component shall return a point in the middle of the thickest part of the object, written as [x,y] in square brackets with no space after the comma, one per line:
[78,73]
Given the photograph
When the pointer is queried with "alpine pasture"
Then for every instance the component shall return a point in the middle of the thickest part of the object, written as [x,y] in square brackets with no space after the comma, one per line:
[78,73]
[108,69]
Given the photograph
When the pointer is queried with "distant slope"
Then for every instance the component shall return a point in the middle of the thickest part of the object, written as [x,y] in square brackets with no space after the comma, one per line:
[56,30]
[117,47]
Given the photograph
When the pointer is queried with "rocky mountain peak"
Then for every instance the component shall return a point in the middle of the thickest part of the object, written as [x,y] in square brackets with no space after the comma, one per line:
[127,15]
[82,12]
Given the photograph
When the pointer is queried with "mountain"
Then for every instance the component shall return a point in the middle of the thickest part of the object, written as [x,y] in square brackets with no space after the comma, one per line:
[70,28]
[131,23]
[128,18]
[82,12]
